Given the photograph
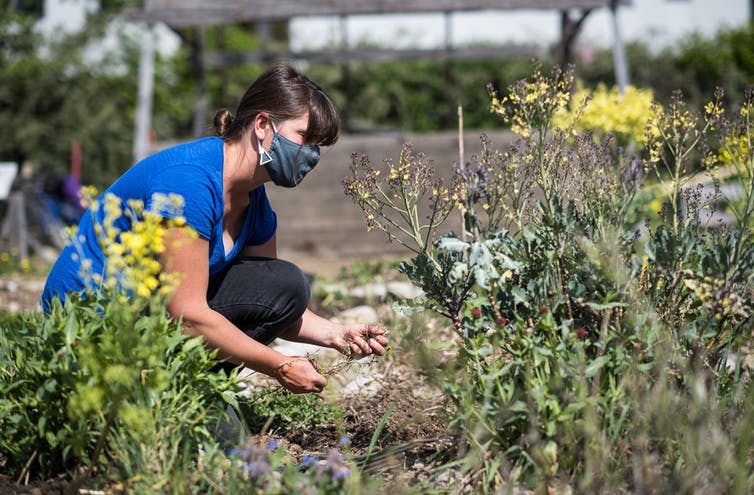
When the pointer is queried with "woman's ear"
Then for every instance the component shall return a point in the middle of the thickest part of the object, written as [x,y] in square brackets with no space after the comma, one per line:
[261,125]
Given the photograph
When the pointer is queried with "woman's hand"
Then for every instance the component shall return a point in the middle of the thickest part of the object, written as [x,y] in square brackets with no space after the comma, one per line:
[299,376]
[361,340]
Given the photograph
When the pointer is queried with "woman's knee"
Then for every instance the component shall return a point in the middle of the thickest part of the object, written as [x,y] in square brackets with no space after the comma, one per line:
[260,291]
[294,283]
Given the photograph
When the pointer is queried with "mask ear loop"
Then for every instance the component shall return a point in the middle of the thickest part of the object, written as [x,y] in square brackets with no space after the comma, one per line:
[264,155]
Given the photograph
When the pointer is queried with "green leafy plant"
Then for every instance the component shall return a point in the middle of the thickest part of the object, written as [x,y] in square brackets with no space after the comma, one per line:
[108,368]
[578,321]
[275,408]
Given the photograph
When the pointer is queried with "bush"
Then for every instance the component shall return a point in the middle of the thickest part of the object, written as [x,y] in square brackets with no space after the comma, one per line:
[90,376]
[107,389]
[584,318]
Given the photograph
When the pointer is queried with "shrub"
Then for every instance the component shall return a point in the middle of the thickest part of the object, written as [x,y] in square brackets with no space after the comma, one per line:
[108,371]
[107,385]
[579,322]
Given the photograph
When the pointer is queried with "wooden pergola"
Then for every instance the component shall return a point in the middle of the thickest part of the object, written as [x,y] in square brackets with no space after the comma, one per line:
[182,14]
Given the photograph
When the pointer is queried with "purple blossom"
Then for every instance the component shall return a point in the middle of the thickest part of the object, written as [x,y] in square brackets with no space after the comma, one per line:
[336,465]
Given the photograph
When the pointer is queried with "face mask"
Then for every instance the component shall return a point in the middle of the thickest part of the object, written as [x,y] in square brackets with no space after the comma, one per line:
[287,162]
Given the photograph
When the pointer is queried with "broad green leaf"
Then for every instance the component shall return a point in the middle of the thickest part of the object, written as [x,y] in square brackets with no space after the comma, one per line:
[596,365]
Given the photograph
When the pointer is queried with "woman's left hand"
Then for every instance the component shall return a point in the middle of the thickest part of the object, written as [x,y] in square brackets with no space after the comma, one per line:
[361,340]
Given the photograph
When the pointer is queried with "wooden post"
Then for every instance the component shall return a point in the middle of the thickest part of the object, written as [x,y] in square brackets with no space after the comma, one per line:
[462,167]
[200,107]
[144,103]
[15,227]
[345,74]
[619,53]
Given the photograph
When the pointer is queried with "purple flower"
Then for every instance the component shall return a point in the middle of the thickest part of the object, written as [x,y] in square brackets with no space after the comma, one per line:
[258,467]
[272,444]
[337,466]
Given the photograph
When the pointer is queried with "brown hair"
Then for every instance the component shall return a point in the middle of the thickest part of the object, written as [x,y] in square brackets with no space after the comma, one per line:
[284,94]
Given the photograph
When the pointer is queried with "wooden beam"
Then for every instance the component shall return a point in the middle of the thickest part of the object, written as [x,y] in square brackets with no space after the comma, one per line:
[182,13]
[215,60]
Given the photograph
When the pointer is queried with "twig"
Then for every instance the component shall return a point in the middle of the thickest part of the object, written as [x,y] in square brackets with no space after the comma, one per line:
[27,466]
[73,488]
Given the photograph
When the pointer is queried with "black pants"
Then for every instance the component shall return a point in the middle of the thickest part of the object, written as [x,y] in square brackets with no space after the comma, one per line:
[261,296]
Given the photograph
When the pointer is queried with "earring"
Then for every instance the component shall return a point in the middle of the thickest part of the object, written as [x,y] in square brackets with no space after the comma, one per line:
[264,155]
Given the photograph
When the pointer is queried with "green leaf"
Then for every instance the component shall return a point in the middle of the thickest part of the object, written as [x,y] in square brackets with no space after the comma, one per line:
[452,244]
[191,344]
[70,330]
[230,398]
[596,365]
[520,296]
[604,306]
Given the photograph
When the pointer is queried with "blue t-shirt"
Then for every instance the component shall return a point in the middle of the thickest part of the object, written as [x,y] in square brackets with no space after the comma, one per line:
[192,170]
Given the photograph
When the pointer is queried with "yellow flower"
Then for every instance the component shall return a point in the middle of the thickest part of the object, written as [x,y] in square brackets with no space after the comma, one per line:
[605,110]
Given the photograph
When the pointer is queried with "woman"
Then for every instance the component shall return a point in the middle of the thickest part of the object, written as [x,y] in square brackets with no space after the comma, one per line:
[233,291]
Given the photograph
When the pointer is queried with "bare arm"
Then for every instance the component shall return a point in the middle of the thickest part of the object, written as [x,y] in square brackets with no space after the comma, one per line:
[187,258]
[357,340]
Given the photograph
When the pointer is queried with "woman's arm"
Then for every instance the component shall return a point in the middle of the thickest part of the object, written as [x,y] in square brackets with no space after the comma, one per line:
[187,258]
[357,340]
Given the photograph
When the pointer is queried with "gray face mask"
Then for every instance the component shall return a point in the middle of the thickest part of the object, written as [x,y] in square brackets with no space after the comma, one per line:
[287,162]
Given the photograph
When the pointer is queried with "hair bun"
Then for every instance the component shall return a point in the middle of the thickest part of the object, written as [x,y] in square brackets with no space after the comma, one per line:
[223,119]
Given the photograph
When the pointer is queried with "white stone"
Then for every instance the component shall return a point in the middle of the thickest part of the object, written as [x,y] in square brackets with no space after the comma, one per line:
[357,384]
[296,348]
[375,290]
[358,314]
[404,290]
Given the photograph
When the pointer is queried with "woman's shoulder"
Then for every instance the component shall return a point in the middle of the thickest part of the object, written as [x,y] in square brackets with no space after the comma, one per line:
[200,157]
[190,166]
[201,149]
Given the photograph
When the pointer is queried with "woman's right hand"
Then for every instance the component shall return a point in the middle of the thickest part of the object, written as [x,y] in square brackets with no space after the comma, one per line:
[299,376]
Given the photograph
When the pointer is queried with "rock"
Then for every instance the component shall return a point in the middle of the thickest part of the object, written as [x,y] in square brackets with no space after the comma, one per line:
[363,386]
[379,290]
[298,349]
[375,290]
[404,290]
[359,314]
[334,288]
[357,384]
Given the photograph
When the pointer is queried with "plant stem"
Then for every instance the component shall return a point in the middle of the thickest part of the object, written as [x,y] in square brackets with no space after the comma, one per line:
[76,484]
[493,304]
[27,466]
[564,288]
